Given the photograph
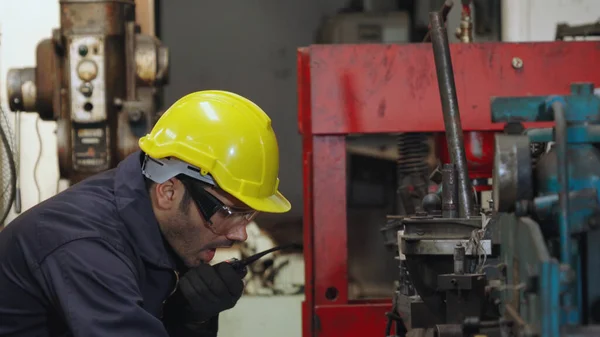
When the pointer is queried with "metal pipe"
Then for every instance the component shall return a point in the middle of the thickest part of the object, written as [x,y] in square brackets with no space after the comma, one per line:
[454,133]
[562,178]
[449,192]
[563,181]
[448,330]
[445,10]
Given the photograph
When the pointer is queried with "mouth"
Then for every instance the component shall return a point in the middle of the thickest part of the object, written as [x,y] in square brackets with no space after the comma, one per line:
[209,254]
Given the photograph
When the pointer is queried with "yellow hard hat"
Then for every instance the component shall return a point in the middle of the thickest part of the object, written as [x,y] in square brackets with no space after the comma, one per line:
[221,137]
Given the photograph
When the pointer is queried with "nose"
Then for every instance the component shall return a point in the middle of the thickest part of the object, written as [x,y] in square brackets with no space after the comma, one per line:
[239,234]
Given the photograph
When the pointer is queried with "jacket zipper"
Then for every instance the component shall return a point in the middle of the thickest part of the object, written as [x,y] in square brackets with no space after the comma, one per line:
[172,292]
[176,283]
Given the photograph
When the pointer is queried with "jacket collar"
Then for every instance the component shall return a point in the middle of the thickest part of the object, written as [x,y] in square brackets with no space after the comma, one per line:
[135,208]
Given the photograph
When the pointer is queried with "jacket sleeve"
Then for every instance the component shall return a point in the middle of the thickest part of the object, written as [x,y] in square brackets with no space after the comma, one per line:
[96,290]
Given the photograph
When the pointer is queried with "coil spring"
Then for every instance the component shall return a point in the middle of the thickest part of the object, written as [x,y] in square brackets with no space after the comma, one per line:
[413,151]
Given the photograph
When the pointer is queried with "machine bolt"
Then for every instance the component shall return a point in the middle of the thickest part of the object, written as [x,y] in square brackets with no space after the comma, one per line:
[135,115]
[594,221]
[517,63]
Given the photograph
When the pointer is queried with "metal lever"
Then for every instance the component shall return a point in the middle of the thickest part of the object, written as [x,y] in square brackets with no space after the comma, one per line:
[452,122]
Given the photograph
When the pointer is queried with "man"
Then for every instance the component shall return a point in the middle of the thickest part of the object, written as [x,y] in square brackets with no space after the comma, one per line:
[126,252]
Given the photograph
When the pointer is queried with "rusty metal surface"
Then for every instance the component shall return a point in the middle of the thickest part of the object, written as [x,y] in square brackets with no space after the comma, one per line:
[20,86]
[63,141]
[393,88]
[46,77]
[95,17]
[89,77]
[151,59]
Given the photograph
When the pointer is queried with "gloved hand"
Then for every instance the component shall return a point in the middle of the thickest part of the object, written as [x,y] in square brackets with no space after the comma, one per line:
[211,289]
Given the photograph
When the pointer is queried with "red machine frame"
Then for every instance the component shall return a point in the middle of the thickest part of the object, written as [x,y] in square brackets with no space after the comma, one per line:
[345,89]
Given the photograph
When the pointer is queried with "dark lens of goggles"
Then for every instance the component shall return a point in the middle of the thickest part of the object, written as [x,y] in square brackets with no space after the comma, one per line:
[209,205]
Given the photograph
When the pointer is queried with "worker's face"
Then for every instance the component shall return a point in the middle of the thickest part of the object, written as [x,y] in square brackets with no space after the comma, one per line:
[192,237]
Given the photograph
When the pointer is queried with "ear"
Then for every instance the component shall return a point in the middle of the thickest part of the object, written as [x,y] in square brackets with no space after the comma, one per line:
[166,194]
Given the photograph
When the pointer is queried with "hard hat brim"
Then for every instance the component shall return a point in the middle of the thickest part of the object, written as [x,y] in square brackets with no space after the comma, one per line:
[276,203]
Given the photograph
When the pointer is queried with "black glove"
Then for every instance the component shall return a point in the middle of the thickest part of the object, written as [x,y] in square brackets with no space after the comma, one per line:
[180,321]
[210,290]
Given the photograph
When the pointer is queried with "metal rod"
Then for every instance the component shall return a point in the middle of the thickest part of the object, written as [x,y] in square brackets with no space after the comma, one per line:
[445,10]
[563,181]
[562,173]
[130,71]
[454,133]
[449,192]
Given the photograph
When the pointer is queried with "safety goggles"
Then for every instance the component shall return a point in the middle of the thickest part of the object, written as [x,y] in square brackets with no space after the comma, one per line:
[214,211]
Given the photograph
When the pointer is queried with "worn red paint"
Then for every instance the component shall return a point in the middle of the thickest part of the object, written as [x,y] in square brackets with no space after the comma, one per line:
[346,89]
[351,83]
[352,319]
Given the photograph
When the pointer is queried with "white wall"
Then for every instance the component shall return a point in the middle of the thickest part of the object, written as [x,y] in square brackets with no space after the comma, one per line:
[535,20]
[22,28]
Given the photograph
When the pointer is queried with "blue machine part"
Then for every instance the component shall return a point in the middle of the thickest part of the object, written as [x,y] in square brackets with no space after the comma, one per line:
[559,200]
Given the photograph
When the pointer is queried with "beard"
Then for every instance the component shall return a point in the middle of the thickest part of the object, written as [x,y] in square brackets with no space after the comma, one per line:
[183,235]
[188,238]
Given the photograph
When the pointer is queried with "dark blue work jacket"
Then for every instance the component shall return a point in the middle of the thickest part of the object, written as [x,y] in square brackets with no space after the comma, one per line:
[90,261]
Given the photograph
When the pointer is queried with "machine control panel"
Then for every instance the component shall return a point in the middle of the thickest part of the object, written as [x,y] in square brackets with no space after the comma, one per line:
[90,147]
[87,76]
[89,133]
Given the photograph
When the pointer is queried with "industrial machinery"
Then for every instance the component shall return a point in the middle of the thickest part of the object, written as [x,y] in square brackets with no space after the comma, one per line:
[526,266]
[98,77]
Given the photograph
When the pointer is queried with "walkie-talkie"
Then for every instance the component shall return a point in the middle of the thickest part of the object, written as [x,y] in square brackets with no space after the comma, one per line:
[240,266]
